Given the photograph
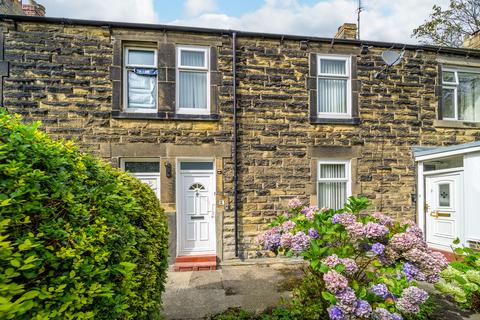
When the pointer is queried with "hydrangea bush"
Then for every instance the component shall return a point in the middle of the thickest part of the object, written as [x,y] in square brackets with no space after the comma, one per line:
[461,280]
[365,266]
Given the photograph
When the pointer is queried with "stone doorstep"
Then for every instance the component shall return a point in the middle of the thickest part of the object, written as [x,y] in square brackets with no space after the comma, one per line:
[195,263]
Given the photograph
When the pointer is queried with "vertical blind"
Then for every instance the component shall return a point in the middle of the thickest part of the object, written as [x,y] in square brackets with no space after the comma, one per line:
[332,95]
[193,89]
[328,66]
[332,194]
[141,90]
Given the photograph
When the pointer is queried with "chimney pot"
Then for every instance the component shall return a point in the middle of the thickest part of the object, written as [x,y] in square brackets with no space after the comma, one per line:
[347,31]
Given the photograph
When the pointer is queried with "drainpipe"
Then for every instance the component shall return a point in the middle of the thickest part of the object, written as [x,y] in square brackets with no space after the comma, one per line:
[235,169]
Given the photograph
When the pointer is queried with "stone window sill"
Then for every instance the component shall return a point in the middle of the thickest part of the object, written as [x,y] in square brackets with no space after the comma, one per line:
[353,121]
[164,116]
[456,124]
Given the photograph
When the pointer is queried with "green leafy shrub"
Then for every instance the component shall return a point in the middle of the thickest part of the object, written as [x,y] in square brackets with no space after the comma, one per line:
[461,280]
[78,239]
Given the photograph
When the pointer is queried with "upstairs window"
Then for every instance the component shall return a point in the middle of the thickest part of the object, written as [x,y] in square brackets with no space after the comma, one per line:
[193,80]
[334,183]
[461,94]
[333,87]
[140,79]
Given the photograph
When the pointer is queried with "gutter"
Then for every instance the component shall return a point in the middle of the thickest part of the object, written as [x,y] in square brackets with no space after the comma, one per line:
[234,133]
[162,27]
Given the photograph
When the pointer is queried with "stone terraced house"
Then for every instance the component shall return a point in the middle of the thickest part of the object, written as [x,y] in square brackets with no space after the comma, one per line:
[227,126]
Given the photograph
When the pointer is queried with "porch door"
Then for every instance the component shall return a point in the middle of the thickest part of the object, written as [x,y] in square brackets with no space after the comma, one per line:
[444,210]
[196,211]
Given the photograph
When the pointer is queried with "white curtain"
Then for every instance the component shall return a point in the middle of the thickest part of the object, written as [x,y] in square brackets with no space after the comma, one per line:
[469,96]
[332,95]
[141,90]
[192,58]
[332,194]
[448,103]
[193,89]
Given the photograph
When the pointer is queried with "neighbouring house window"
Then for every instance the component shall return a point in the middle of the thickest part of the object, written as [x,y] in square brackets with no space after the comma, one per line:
[461,94]
[145,170]
[140,79]
[333,87]
[193,80]
[334,183]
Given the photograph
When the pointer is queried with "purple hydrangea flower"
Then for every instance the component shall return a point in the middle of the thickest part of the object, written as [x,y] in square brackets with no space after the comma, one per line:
[350,265]
[344,219]
[411,299]
[346,300]
[295,203]
[335,282]
[335,313]
[380,290]
[381,314]
[313,233]
[375,230]
[378,248]
[362,309]
[415,230]
[300,242]
[309,212]
[396,316]
[270,240]
[412,272]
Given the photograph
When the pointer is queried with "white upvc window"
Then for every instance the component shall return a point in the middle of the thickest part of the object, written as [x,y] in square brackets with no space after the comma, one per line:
[334,86]
[461,94]
[147,170]
[334,183]
[140,78]
[193,80]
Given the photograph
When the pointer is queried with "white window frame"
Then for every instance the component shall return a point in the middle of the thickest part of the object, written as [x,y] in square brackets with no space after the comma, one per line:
[454,85]
[347,76]
[127,66]
[347,179]
[180,67]
[147,175]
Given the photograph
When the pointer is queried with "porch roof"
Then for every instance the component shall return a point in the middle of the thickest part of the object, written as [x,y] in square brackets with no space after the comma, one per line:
[425,152]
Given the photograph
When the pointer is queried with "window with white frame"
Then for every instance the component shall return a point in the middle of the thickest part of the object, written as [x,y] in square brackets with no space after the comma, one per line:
[461,94]
[334,86]
[193,80]
[145,170]
[334,183]
[140,79]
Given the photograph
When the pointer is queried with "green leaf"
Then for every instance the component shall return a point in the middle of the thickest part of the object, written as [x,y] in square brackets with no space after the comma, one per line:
[329,297]
[456,241]
[15,263]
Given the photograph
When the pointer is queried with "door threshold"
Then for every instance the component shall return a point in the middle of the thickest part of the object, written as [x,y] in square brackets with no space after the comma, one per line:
[206,262]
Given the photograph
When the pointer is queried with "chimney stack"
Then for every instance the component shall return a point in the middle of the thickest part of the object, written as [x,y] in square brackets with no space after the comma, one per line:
[33,9]
[347,31]
[473,41]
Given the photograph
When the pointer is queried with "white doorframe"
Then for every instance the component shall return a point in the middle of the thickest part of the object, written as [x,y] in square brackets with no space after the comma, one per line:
[178,199]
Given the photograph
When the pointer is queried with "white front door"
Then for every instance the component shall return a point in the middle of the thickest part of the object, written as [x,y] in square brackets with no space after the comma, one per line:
[196,212]
[444,210]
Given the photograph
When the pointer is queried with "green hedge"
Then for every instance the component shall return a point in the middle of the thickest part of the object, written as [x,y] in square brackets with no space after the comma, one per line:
[78,239]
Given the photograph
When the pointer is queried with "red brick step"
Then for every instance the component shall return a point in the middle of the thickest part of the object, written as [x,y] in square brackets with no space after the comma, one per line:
[195,263]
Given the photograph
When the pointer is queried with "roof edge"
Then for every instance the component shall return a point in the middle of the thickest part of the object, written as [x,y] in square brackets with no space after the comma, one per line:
[164,27]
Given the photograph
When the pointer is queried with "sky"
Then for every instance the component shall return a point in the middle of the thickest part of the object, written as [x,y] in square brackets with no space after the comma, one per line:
[381,20]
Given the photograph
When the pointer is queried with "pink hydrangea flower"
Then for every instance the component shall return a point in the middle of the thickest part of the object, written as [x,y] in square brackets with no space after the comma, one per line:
[430,263]
[288,225]
[405,241]
[310,212]
[295,203]
[286,240]
[375,230]
[335,282]
[415,230]
[331,261]
[383,219]
[356,230]
[411,299]
[350,265]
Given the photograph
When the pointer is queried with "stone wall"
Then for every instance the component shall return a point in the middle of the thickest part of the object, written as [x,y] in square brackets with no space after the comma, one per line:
[60,74]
